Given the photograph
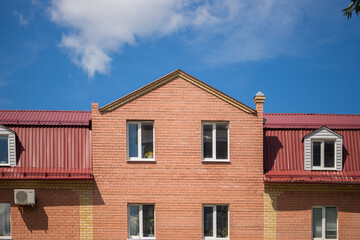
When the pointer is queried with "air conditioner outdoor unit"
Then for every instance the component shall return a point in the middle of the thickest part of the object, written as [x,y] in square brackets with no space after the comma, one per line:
[24,196]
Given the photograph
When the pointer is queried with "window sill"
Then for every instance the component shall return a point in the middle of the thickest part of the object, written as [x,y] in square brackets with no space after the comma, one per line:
[216,238]
[146,238]
[324,169]
[4,165]
[5,238]
[141,160]
[215,161]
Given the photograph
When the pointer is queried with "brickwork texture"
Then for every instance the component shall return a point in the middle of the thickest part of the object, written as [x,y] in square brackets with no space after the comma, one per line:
[63,209]
[288,209]
[178,183]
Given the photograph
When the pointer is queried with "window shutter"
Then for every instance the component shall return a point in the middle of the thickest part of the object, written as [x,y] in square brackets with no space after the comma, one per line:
[12,149]
[307,154]
[339,153]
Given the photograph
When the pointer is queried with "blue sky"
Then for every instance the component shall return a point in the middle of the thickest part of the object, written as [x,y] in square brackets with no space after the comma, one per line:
[64,55]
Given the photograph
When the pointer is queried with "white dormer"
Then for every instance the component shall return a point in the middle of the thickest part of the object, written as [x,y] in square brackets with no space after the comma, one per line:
[7,147]
[323,150]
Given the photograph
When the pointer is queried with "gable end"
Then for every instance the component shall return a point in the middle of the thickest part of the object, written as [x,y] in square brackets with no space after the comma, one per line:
[171,76]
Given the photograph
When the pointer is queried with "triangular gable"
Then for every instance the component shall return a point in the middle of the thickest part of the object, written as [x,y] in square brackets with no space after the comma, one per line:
[167,78]
[321,129]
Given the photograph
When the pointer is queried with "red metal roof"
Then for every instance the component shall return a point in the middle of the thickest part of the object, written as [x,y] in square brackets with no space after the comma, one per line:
[44,173]
[37,117]
[284,149]
[313,176]
[307,120]
[49,144]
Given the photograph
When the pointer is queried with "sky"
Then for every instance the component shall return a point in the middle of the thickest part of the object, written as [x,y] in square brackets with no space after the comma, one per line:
[64,55]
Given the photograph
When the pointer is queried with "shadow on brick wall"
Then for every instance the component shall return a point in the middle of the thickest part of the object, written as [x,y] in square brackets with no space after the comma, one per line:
[35,217]
[97,198]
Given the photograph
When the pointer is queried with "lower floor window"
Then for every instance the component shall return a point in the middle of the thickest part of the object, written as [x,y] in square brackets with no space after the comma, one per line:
[141,221]
[5,225]
[215,221]
[324,222]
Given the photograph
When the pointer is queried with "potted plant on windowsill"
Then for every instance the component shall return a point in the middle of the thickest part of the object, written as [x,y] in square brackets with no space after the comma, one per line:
[149,154]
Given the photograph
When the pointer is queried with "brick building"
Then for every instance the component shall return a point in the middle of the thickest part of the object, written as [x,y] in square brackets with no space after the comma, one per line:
[178,159]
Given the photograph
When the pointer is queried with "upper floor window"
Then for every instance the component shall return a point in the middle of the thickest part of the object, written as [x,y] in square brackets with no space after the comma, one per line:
[141,221]
[323,154]
[323,150]
[7,147]
[324,222]
[215,141]
[215,222]
[140,140]
[5,224]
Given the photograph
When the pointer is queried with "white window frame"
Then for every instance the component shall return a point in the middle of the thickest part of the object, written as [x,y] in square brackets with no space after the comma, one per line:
[7,237]
[323,223]
[322,153]
[8,146]
[141,223]
[213,158]
[215,222]
[139,158]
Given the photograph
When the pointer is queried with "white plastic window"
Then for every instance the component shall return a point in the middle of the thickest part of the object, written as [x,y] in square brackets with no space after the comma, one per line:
[140,141]
[141,221]
[215,141]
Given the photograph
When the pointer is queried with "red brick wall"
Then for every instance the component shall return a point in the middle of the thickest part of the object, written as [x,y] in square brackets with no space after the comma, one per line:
[178,183]
[55,215]
[294,210]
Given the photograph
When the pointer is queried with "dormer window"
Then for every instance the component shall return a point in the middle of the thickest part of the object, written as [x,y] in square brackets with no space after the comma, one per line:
[7,147]
[4,150]
[323,154]
[323,150]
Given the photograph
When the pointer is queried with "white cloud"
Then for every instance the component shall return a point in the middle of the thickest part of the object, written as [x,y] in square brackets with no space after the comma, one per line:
[22,20]
[251,30]
[241,30]
[99,28]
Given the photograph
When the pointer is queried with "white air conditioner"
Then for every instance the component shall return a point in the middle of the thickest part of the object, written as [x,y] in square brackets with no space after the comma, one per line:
[24,196]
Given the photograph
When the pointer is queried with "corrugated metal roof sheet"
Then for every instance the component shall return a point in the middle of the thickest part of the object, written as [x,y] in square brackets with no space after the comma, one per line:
[51,152]
[284,149]
[44,173]
[37,117]
[307,120]
[313,176]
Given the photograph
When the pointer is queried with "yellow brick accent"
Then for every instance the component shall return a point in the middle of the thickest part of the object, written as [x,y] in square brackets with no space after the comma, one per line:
[83,188]
[270,215]
[86,214]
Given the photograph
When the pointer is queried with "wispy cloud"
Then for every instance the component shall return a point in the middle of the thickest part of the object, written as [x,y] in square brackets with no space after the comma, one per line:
[22,20]
[236,30]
